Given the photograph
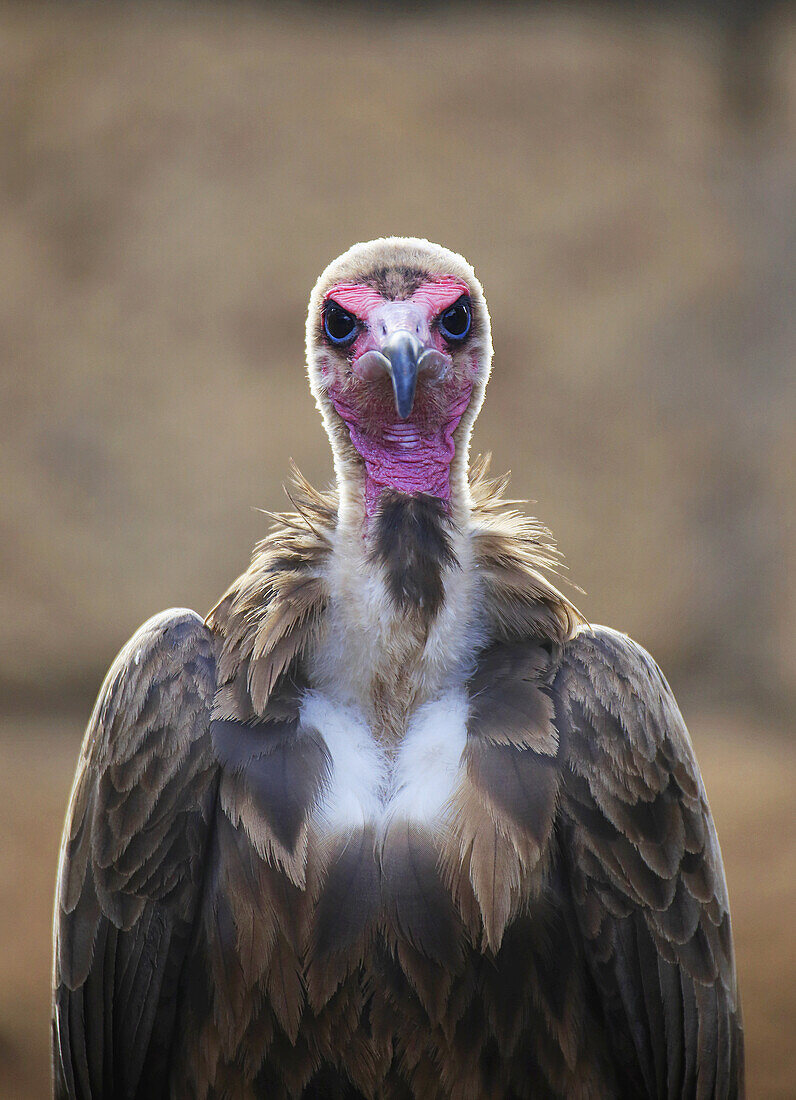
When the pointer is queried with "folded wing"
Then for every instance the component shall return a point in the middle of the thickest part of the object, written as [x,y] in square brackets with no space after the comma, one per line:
[647,880]
[131,863]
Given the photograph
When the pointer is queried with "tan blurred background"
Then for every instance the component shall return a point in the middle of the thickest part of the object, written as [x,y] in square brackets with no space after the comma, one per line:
[172,180]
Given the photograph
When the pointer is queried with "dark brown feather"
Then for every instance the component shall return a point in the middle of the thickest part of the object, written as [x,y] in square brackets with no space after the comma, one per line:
[645,873]
[346,916]
[418,905]
[132,862]
[411,541]
[520,784]
[508,701]
[503,809]
[282,766]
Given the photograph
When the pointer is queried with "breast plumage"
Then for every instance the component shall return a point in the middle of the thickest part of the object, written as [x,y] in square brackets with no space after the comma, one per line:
[408,882]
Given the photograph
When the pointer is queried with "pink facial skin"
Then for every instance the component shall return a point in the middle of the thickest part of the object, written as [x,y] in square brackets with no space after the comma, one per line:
[412,455]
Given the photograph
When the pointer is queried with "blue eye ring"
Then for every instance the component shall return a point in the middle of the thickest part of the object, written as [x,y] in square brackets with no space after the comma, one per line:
[339,326]
[456,321]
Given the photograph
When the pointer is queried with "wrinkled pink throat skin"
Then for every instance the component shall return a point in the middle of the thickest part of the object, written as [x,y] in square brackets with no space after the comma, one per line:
[412,455]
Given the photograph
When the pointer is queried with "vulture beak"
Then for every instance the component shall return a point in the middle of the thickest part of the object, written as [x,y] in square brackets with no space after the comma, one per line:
[403,352]
[404,349]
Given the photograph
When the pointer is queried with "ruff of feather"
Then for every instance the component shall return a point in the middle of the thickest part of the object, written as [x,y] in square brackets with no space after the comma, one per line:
[514,554]
[273,612]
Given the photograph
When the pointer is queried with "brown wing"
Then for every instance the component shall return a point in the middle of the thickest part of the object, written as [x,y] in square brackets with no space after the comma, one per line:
[646,874]
[131,863]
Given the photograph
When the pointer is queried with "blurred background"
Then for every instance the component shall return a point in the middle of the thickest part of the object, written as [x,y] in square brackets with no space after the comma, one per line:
[173,177]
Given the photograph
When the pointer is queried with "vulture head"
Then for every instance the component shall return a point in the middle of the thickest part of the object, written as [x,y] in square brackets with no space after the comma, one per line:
[398,353]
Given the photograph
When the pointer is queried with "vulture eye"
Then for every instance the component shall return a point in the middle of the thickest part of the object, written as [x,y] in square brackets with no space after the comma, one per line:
[454,323]
[338,324]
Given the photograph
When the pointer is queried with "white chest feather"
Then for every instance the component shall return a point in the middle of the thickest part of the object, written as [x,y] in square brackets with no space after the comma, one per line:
[370,786]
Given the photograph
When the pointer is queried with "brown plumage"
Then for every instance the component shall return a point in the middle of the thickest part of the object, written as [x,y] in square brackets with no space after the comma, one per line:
[394,821]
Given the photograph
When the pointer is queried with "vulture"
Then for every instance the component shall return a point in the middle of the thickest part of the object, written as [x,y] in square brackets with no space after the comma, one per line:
[394,821]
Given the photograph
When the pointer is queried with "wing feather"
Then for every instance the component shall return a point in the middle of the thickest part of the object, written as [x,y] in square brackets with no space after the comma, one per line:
[646,874]
[132,860]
